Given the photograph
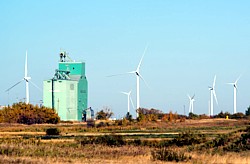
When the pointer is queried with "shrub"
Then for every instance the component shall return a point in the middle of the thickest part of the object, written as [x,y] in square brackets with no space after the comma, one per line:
[193,116]
[53,131]
[28,114]
[188,138]
[237,116]
[104,114]
[166,154]
[90,123]
[241,144]
[109,140]
[102,124]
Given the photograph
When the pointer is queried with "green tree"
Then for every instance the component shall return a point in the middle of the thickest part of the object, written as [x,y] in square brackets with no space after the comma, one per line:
[248,111]
[193,116]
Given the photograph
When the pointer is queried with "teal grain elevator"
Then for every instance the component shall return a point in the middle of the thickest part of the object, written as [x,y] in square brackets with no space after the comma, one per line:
[67,91]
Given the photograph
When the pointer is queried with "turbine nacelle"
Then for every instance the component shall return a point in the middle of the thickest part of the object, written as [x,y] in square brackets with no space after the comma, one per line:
[27,78]
[210,88]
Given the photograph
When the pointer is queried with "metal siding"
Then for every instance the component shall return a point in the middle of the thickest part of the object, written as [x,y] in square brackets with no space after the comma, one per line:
[60,88]
[68,103]
[75,68]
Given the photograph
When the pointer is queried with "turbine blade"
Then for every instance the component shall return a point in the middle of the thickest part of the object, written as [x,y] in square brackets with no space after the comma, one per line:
[26,65]
[131,72]
[125,93]
[214,81]
[118,74]
[139,65]
[144,80]
[237,80]
[215,97]
[189,97]
[193,97]
[35,85]
[132,102]
[236,87]
[14,85]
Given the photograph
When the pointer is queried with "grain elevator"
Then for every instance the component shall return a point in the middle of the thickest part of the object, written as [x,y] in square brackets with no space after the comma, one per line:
[67,91]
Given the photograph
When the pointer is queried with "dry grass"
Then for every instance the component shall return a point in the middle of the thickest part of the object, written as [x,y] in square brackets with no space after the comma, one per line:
[68,150]
[57,140]
[65,160]
[232,158]
[21,133]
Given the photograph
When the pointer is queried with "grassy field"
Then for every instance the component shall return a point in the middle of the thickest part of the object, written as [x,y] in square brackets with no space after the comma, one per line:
[192,141]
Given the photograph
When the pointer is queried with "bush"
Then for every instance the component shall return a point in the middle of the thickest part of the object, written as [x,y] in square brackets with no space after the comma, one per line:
[241,144]
[109,140]
[53,131]
[188,138]
[193,116]
[90,123]
[102,124]
[28,114]
[165,154]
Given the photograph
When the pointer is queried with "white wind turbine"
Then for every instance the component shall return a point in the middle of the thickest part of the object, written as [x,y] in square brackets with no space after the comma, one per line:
[129,100]
[26,78]
[138,77]
[213,95]
[235,92]
[191,104]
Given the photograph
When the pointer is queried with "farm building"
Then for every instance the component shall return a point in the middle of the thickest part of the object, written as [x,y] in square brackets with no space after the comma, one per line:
[67,91]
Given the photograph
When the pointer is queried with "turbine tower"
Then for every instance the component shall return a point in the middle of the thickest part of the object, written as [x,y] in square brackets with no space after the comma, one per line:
[191,104]
[213,95]
[26,78]
[235,92]
[138,76]
[129,100]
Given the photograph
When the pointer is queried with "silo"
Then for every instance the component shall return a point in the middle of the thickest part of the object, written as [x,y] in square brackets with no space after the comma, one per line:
[67,91]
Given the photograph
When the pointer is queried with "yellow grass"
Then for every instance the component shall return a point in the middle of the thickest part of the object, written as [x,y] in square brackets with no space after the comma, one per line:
[232,158]
[57,140]
[21,133]
[197,158]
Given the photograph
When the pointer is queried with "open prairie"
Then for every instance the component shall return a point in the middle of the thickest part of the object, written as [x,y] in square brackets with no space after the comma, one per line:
[192,141]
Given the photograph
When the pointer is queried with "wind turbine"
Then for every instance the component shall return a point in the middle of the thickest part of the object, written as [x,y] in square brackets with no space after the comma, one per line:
[235,92]
[213,95]
[138,77]
[129,100]
[26,78]
[191,104]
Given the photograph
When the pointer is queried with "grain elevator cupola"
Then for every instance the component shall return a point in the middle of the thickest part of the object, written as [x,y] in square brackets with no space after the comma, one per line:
[67,90]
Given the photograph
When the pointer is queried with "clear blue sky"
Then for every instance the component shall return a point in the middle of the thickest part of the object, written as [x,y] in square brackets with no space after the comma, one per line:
[189,42]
